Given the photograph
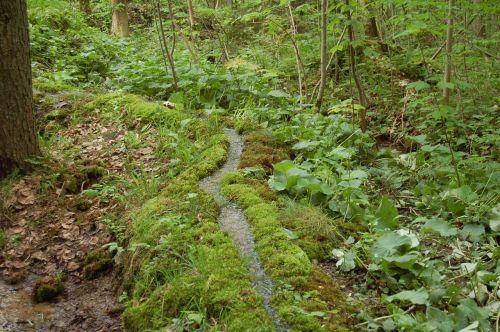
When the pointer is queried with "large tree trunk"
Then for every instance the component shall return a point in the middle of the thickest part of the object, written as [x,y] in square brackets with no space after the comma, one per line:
[85,7]
[17,125]
[119,23]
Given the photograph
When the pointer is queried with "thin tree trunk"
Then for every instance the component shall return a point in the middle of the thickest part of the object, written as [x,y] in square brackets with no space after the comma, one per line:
[168,52]
[17,124]
[191,14]
[323,51]
[449,49]
[370,21]
[333,57]
[298,59]
[478,25]
[85,7]
[363,100]
[119,21]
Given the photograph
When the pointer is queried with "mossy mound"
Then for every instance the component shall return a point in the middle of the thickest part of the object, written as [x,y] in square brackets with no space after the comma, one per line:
[317,233]
[183,265]
[133,109]
[81,175]
[47,289]
[96,264]
[262,149]
[83,204]
[57,115]
[305,297]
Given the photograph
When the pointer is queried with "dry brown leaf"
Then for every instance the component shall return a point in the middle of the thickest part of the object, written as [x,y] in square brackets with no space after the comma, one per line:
[73,266]
[169,104]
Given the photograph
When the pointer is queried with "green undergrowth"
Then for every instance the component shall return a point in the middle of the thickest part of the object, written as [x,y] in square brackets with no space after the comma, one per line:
[182,270]
[305,297]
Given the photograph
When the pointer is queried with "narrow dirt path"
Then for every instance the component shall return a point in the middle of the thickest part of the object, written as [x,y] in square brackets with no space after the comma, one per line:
[232,221]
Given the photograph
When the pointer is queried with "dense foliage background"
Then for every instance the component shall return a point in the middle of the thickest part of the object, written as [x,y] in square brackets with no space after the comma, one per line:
[419,188]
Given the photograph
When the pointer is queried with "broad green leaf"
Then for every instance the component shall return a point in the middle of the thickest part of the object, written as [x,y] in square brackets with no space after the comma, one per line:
[468,312]
[305,145]
[495,219]
[447,85]
[386,214]
[439,226]
[418,85]
[345,259]
[340,153]
[389,244]
[278,182]
[420,139]
[419,296]
[403,261]
[284,166]
[278,94]
[439,320]
[474,232]
[357,174]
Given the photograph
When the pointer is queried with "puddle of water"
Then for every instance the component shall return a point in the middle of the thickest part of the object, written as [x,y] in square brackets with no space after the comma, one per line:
[232,221]
[18,312]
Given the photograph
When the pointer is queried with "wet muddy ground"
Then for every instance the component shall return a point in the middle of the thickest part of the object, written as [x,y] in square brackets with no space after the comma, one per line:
[85,306]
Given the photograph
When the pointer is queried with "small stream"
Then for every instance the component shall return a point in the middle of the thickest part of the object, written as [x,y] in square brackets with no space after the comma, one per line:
[232,221]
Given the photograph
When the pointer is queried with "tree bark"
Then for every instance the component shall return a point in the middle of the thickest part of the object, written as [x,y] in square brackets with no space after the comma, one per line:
[363,100]
[119,22]
[191,14]
[85,7]
[168,52]
[449,48]
[478,25]
[298,58]
[17,124]
[370,21]
[323,51]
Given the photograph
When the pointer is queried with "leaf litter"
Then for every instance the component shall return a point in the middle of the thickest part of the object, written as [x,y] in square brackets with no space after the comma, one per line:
[52,226]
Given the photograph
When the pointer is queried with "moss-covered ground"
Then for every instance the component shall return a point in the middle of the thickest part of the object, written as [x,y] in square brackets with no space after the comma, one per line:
[290,237]
[179,269]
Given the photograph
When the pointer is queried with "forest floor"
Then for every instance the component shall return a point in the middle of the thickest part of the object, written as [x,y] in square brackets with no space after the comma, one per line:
[145,213]
[62,267]
[55,230]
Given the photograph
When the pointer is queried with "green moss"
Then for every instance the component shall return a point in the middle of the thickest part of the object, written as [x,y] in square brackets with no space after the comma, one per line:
[241,193]
[134,109]
[316,231]
[52,86]
[301,289]
[96,264]
[57,115]
[83,204]
[71,183]
[47,289]
[183,262]
[3,239]
[93,172]
[261,149]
